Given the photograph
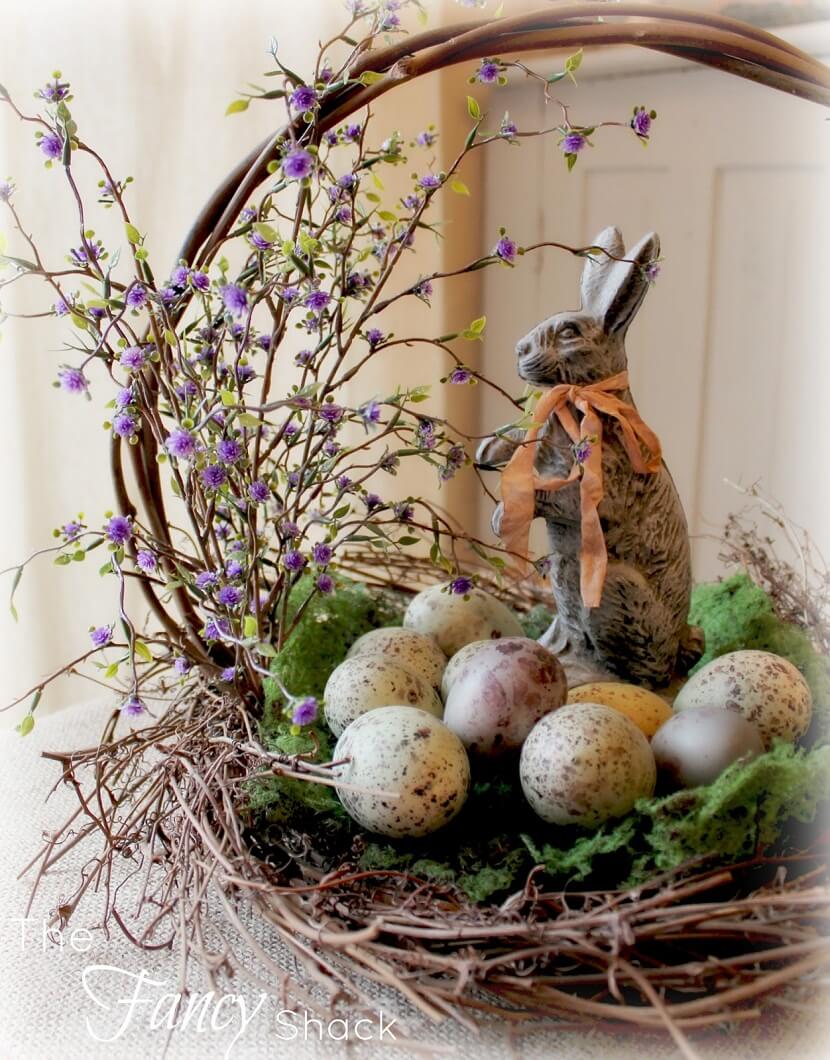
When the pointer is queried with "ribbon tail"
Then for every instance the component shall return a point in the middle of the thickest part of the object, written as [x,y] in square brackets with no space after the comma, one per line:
[593,560]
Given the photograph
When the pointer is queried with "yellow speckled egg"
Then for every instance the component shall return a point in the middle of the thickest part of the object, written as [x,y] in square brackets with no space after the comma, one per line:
[646,709]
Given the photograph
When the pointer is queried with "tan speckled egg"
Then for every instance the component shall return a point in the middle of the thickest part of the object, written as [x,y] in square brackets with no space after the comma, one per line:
[499,693]
[584,764]
[764,687]
[410,649]
[366,682]
[412,773]
[456,620]
[645,708]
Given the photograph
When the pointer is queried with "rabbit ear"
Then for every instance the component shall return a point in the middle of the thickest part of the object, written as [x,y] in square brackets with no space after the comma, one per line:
[625,285]
[597,266]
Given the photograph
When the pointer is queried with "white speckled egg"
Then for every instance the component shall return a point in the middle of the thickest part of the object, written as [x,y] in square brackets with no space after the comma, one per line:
[366,682]
[500,691]
[765,688]
[407,647]
[412,772]
[585,763]
[456,620]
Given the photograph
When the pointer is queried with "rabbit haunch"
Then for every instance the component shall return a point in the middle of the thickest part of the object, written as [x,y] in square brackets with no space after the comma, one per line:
[639,630]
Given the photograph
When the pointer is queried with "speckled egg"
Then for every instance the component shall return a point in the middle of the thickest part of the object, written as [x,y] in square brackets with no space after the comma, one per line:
[366,682]
[765,688]
[457,664]
[455,620]
[645,708]
[410,649]
[584,764]
[500,691]
[408,775]
[695,746]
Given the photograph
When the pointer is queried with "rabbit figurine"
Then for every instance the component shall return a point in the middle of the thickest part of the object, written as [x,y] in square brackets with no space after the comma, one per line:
[639,629]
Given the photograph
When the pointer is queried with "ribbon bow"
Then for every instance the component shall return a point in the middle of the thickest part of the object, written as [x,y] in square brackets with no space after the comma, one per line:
[520,480]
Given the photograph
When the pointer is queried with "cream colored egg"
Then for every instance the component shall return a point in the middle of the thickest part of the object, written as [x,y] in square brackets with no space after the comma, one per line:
[645,708]
[366,682]
[406,774]
[457,620]
[585,764]
[765,688]
[410,649]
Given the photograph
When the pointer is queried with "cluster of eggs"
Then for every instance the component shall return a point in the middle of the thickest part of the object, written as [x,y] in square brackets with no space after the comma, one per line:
[413,706]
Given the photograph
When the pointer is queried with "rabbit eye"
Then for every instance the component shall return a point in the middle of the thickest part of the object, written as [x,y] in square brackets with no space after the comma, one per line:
[568,331]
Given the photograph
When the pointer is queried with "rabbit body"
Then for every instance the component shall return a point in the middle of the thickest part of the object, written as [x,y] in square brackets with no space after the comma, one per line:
[639,630]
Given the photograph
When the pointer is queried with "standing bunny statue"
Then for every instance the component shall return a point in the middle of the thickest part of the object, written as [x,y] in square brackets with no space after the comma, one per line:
[619,545]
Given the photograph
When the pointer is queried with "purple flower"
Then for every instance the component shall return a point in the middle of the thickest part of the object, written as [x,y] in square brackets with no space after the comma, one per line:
[429,181]
[572,143]
[325,583]
[370,413]
[258,491]
[216,629]
[124,397]
[136,296]
[81,256]
[133,707]
[290,429]
[60,307]
[290,294]
[343,482]
[133,357]
[404,512]
[101,636]
[317,300]
[6,190]
[123,424]
[652,271]
[373,501]
[294,561]
[51,145]
[181,444]
[326,74]
[96,312]
[259,241]
[331,448]
[73,380]
[331,138]
[582,450]
[303,358]
[305,711]
[229,596]
[321,554]
[228,675]
[288,528]
[412,202]
[146,560]
[344,214]
[424,290]
[298,164]
[119,529]
[425,138]
[54,91]
[460,374]
[331,413]
[214,476]
[235,298]
[229,450]
[71,530]
[374,336]
[426,435]
[303,98]
[245,373]
[352,131]
[641,122]
[182,665]
[508,129]
[461,586]
[234,568]
[390,462]
[168,295]
[488,72]
[206,580]
[201,281]
[505,249]
[179,276]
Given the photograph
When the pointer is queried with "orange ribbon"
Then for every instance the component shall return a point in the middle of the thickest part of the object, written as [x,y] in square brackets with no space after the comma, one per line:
[520,480]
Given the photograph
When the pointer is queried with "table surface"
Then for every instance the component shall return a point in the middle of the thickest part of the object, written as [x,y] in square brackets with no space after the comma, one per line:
[72,1001]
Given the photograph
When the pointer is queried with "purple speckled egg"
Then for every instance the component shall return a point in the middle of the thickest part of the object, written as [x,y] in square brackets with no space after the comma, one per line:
[499,692]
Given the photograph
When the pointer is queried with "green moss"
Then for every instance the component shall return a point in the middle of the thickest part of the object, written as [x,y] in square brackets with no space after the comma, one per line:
[736,614]
[536,621]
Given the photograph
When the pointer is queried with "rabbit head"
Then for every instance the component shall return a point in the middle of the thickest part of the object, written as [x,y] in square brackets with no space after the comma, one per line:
[589,344]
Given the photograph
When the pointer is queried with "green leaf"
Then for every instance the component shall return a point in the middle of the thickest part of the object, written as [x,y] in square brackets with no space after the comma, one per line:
[248,419]
[344,509]
[459,187]
[228,398]
[408,540]
[473,109]
[62,560]
[27,723]
[249,626]
[573,63]
[133,234]
[371,77]
[18,574]
[237,106]
[169,337]
[386,215]
[571,161]
[478,325]
[142,651]
[111,671]
[266,231]
[268,650]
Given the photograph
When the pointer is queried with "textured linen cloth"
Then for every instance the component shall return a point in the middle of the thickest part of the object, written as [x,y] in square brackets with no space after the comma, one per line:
[46,1012]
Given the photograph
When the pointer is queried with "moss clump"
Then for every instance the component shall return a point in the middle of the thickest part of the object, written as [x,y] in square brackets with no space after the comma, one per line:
[736,614]
[536,621]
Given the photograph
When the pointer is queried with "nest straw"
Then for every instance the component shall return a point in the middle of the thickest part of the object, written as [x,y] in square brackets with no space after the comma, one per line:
[694,948]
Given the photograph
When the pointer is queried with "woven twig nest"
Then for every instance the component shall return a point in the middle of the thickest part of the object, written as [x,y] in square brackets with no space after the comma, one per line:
[692,947]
